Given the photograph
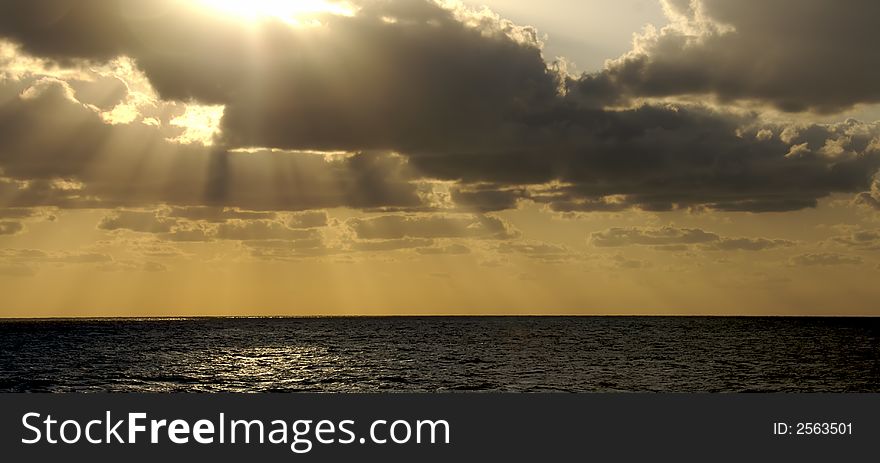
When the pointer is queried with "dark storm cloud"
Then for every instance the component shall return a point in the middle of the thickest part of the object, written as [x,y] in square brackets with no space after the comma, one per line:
[661,158]
[699,158]
[486,199]
[46,135]
[458,102]
[567,200]
[794,54]
[69,30]
[336,88]
[671,238]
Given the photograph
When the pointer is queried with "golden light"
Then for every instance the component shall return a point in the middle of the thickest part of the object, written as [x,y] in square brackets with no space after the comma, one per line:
[200,124]
[290,11]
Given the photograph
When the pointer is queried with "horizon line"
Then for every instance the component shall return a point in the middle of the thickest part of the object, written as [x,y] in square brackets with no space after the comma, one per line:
[245,317]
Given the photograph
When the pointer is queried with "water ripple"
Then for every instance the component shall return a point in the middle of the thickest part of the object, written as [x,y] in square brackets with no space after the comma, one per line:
[528,354]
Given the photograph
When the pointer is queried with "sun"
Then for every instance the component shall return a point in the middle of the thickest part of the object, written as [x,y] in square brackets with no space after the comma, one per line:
[291,11]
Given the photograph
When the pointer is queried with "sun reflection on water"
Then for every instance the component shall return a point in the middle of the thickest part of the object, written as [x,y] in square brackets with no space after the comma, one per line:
[272,367]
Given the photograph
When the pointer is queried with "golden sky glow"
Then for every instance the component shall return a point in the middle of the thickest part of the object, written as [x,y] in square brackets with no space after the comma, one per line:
[215,157]
[292,11]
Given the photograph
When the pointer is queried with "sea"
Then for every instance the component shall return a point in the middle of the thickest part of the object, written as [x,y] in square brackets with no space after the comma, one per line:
[442,354]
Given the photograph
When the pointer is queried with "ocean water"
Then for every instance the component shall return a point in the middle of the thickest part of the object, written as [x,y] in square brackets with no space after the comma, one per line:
[521,354]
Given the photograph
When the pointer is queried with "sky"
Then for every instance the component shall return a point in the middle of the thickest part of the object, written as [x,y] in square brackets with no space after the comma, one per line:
[421,157]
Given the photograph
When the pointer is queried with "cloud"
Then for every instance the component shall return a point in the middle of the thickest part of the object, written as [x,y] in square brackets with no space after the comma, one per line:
[290,249]
[80,258]
[138,221]
[189,233]
[748,244]
[58,169]
[659,159]
[870,198]
[16,270]
[211,224]
[22,255]
[452,249]
[217,214]
[487,199]
[154,249]
[614,237]
[22,213]
[432,226]
[378,245]
[103,92]
[154,267]
[669,238]
[132,266]
[477,105]
[10,228]
[309,219]
[538,250]
[260,230]
[866,240]
[26,261]
[325,91]
[796,55]
[620,262]
[824,259]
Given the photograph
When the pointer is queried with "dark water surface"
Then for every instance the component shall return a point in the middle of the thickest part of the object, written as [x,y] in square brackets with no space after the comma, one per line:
[442,354]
